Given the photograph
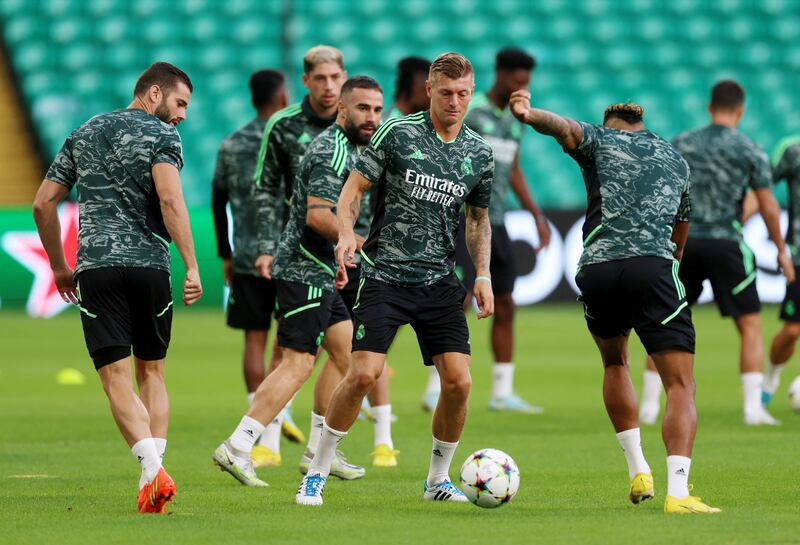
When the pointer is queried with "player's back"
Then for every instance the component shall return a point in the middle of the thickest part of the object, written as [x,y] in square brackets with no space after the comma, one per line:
[109,160]
[723,163]
[637,185]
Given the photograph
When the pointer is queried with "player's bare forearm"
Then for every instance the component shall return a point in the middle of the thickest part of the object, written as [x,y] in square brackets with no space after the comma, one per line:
[749,206]
[321,218]
[680,232]
[45,213]
[567,132]
[770,211]
[478,235]
[349,204]
[173,209]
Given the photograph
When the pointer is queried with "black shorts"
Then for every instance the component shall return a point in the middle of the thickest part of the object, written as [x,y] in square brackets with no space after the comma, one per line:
[435,312]
[729,266]
[790,308]
[304,314]
[124,308]
[639,293]
[349,293]
[502,266]
[251,302]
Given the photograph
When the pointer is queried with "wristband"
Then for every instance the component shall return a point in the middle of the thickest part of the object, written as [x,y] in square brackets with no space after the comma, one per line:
[487,278]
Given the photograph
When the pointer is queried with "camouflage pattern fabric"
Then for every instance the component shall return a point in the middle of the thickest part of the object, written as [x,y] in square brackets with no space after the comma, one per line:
[502,130]
[638,186]
[109,158]
[786,161]
[283,145]
[304,255]
[234,172]
[422,184]
[723,163]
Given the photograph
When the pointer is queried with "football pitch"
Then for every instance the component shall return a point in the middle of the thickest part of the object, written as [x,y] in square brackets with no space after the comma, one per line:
[68,477]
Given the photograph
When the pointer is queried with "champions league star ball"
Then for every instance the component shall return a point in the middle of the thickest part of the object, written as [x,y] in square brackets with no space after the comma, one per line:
[489,478]
[794,395]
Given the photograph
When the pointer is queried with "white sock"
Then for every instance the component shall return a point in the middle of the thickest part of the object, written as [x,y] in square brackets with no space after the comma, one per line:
[678,476]
[245,436]
[441,457]
[329,439]
[161,447]
[502,379]
[147,455]
[271,437]
[751,388]
[631,443]
[383,425]
[651,388]
[772,379]
[314,433]
[250,397]
[434,383]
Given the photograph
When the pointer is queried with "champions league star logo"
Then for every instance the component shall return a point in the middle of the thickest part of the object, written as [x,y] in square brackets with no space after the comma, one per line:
[44,300]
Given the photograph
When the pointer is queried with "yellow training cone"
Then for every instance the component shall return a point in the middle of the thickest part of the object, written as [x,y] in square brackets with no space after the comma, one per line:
[70,376]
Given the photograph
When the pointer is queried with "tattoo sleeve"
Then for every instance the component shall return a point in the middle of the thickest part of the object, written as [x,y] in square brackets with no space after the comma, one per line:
[349,204]
[479,238]
[566,131]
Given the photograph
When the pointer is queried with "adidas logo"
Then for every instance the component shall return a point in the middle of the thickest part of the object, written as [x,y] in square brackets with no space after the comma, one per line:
[680,472]
[251,433]
[304,138]
[417,155]
[437,452]
[140,458]
[318,425]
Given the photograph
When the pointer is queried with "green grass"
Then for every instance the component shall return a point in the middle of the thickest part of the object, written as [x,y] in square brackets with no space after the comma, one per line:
[574,479]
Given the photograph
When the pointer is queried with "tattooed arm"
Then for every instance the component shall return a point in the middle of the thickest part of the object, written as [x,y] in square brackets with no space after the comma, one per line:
[478,236]
[567,132]
[347,213]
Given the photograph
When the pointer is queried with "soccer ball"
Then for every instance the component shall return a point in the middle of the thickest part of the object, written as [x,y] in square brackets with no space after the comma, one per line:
[794,395]
[489,478]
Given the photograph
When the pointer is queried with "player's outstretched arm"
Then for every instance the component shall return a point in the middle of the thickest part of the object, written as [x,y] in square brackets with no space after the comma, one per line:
[346,215]
[770,211]
[567,132]
[478,235]
[45,213]
[520,187]
[167,180]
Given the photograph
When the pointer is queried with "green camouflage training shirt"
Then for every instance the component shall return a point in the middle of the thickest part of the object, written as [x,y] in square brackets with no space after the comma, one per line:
[502,130]
[786,161]
[304,255]
[422,184]
[110,159]
[638,186]
[234,175]
[283,145]
[723,162]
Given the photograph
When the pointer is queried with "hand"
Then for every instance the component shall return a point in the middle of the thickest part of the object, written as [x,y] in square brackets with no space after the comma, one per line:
[520,103]
[264,266]
[482,290]
[543,228]
[346,250]
[65,283]
[227,271]
[192,289]
[786,265]
[341,279]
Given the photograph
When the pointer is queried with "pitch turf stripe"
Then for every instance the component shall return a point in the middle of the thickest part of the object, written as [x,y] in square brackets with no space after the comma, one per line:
[301,309]
[313,258]
[289,111]
[744,283]
[669,318]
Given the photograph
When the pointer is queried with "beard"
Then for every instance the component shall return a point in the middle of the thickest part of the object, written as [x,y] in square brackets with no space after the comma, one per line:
[163,113]
[355,135]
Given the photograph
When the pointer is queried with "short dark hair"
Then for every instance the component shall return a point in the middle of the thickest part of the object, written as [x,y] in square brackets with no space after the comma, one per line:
[360,82]
[727,95]
[407,69]
[627,111]
[264,86]
[165,75]
[514,58]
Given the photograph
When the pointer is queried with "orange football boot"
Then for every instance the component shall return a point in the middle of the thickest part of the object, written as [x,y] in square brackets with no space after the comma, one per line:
[153,496]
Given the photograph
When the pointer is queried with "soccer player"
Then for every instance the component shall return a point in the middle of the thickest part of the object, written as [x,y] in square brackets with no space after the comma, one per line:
[126,167]
[724,163]
[786,166]
[252,297]
[310,311]
[410,94]
[490,117]
[636,225]
[425,167]
[286,137]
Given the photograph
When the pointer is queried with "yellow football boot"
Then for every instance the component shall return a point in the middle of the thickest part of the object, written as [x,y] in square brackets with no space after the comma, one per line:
[265,457]
[641,487]
[689,504]
[384,456]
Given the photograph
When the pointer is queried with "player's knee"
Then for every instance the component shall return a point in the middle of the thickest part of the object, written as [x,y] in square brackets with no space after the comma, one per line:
[457,386]
[792,330]
[364,378]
